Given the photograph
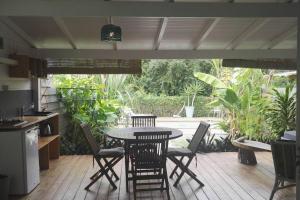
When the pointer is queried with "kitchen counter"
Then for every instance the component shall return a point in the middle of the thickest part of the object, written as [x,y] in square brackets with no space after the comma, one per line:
[30,121]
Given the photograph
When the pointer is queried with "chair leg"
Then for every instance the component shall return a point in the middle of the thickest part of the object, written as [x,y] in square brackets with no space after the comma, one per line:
[276,184]
[111,169]
[92,182]
[167,182]
[103,171]
[183,171]
[175,169]
[134,188]
[95,175]
[163,180]
[109,165]
[107,176]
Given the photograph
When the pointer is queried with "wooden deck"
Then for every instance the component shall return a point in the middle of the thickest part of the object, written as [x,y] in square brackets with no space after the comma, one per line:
[224,178]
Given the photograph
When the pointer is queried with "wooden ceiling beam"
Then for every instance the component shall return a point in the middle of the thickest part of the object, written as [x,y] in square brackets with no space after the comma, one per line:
[85,70]
[161,31]
[95,8]
[280,38]
[166,54]
[64,29]
[210,25]
[20,32]
[249,31]
[282,64]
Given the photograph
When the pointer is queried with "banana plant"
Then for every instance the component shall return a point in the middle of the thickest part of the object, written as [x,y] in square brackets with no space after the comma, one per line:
[242,100]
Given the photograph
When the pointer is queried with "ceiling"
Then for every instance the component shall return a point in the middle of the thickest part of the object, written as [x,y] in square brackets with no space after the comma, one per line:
[141,33]
[160,33]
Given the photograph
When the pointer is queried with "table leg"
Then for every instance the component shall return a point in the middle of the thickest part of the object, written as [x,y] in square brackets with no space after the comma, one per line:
[247,157]
[126,164]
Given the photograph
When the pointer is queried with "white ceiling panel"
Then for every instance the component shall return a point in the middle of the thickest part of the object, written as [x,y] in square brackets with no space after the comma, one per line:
[43,30]
[182,32]
[86,32]
[138,33]
[290,43]
[225,31]
[269,31]
[176,44]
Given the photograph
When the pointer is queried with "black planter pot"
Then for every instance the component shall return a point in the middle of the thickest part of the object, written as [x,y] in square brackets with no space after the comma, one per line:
[4,187]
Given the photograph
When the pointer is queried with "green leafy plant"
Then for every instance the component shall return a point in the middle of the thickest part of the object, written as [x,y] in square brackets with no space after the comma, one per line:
[84,100]
[192,90]
[169,77]
[243,101]
[212,144]
[281,114]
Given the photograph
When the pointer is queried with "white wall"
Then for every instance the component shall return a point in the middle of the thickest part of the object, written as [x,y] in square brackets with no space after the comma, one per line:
[12,44]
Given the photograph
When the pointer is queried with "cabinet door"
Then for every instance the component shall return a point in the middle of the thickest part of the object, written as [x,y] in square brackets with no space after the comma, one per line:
[22,70]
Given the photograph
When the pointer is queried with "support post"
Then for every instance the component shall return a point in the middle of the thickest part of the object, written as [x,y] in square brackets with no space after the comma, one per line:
[298,110]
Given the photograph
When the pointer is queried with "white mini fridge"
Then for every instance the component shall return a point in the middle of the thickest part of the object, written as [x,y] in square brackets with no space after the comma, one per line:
[19,159]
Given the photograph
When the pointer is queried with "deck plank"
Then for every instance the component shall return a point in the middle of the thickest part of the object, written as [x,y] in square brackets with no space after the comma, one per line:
[224,178]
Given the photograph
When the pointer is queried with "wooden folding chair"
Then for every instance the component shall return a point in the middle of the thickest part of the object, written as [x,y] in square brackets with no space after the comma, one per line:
[284,158]
[114,154]
[143,120]
[148,160]
[189,152]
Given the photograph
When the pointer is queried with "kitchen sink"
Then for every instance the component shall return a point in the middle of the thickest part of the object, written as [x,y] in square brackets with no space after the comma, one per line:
[37,113]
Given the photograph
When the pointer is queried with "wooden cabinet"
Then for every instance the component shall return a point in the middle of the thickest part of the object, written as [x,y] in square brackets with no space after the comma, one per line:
[28,67]
[22,70]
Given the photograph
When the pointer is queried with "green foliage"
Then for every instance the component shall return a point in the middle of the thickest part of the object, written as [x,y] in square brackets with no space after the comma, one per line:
[167,106]
[210,79]
[113,84]
[212,144]
[243,102]
[193,90]
[84,101]
[169,77]
[281,114]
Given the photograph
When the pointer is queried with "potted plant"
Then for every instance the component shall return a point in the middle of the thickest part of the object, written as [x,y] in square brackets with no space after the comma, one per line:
[191,91]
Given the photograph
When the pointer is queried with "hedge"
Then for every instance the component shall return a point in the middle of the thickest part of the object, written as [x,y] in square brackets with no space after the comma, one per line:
[167,106]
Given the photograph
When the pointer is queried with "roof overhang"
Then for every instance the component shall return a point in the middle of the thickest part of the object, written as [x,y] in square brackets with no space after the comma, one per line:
[96,8]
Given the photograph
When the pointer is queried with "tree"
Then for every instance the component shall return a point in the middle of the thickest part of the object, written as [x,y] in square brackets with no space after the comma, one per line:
[169,77]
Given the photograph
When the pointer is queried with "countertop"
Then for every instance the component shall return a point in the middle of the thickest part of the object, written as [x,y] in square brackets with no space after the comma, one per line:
[31,120]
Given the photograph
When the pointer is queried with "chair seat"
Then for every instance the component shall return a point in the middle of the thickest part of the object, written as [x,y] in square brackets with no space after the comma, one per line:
[113,152]
[179,152]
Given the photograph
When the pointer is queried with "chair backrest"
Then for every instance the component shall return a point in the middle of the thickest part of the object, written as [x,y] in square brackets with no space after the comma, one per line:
[198,136]
[143,120]
[150,149]
[284,158]
[86,129]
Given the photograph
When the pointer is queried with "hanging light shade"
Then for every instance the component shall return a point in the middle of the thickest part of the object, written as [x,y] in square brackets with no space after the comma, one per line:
[111,33]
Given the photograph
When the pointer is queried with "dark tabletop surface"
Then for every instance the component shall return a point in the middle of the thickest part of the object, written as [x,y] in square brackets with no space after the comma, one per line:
[127,133]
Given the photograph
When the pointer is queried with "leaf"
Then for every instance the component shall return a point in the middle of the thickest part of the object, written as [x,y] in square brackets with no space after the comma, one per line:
[211,80]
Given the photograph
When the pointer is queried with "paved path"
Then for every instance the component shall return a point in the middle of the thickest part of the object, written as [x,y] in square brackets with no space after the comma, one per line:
[188,126]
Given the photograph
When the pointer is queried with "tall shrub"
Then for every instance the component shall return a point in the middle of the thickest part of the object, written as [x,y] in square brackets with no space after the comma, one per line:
[244,102]
[84,102]
[281,114]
